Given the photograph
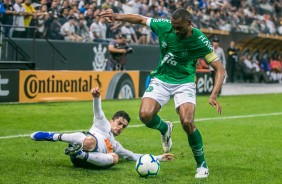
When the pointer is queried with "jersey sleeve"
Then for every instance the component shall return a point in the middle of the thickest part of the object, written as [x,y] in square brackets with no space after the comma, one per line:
[112,43]
[159,26]
[99,120]
[205,48]
[17,8]
[126,154]
[32,9]
[2,9]
[211,57]
[97,109]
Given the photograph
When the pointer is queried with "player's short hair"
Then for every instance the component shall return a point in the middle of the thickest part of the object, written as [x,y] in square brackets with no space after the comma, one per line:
[181,13]
[122,114]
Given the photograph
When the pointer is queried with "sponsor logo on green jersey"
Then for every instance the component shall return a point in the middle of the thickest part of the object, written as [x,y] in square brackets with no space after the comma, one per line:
[169,58]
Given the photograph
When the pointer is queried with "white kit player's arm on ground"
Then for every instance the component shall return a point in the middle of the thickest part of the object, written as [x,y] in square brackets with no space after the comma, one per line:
[126,154]
[100,159]
[165,157]
[129,155]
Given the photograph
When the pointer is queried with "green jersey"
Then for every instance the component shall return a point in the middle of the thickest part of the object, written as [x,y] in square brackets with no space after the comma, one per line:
[178,57]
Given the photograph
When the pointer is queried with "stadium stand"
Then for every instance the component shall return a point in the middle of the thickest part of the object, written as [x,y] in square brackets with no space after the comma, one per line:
[260,18]
[248,16]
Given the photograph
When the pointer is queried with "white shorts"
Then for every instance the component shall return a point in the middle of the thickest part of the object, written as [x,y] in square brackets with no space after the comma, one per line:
[162,92]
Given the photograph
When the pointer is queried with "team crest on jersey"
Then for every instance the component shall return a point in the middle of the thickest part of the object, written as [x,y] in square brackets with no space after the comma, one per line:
[184,53]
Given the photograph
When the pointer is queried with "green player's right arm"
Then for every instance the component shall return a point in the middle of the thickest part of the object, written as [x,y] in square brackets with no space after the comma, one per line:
[110,16]
[132,18]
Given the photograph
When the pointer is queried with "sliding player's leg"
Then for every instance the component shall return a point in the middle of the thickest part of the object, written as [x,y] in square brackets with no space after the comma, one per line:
[86,155]
[71,138]
[94,160]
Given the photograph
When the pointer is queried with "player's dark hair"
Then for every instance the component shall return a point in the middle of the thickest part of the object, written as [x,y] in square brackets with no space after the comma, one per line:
[181,13]
[122,114]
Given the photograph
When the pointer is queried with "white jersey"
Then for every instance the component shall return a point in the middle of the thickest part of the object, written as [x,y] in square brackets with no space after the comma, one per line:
[106,142]
[220,53]
[19,19]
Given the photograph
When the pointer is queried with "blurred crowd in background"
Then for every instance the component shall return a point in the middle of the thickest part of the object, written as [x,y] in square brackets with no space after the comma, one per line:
[78,21]
[247,66]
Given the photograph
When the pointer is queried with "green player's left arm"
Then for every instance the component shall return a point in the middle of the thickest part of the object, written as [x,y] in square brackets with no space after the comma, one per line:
[219,78]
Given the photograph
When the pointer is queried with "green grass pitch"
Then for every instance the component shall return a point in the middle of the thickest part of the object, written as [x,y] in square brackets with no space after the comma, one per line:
[243,145]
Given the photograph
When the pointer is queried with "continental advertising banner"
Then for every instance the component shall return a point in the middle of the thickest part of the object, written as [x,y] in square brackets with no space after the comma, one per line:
[50,85]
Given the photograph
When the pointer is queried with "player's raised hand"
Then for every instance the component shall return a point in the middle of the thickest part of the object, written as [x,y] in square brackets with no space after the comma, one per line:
[167,157]
[108,15]
[215,104]
[95,92]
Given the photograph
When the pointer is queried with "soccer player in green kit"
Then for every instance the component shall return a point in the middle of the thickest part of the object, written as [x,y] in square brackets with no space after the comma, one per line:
[180,47]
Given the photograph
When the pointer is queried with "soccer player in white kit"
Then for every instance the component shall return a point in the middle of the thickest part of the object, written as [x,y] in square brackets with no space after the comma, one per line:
[97,148]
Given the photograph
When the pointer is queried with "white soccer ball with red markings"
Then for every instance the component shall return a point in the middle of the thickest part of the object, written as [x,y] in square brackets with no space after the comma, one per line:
[147,165]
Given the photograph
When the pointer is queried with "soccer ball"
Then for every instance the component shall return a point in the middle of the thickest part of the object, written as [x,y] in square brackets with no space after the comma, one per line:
[147,165]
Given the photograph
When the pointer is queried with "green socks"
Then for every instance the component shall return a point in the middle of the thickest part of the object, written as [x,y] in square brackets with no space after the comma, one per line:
[195,140]
[158,124]
[196,144]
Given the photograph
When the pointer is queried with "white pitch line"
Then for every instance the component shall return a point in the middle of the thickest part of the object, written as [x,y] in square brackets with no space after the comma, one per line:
[238,117]
[136,126]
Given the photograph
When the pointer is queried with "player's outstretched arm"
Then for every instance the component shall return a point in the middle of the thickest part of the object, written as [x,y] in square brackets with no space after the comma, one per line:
[219,77]
[110,16]
[95,92]
[99,120]
[165,157]
[129,155]
[97,103]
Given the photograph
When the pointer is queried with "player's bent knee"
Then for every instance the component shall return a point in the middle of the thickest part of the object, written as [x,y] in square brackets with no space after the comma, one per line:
[145,116]
[89,143]
[188,126]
